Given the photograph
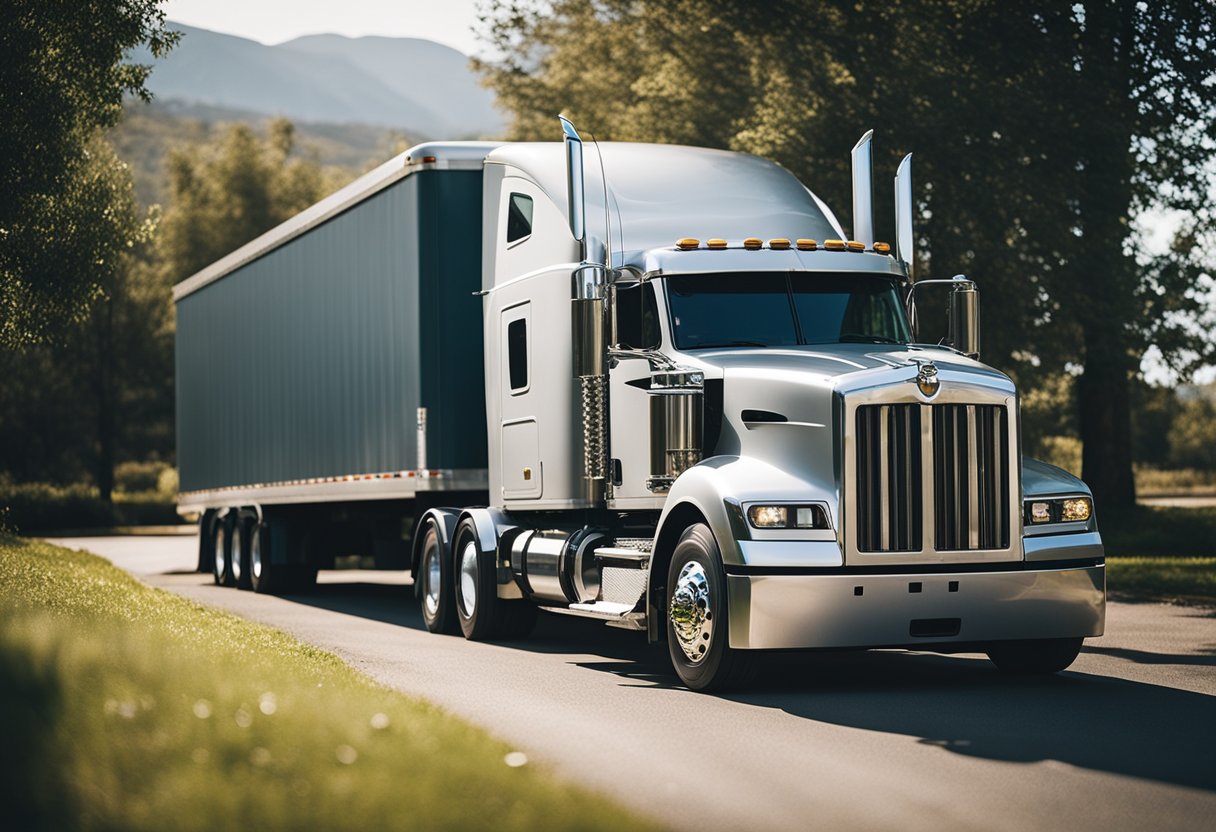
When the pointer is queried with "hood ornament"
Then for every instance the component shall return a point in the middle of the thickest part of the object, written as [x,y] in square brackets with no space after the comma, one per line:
[926,379]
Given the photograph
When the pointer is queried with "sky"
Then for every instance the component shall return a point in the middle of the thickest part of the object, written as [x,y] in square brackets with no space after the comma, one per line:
[449,22]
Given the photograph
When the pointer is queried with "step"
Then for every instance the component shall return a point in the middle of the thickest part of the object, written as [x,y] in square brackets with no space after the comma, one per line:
[638,558]
[613,614]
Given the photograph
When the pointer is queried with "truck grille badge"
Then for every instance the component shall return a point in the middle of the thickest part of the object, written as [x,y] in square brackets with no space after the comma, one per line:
[926,379]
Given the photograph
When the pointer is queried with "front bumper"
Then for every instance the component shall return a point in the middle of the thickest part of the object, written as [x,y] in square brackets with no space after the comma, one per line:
[906,609]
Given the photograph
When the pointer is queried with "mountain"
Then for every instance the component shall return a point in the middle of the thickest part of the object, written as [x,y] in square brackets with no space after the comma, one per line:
[405,83]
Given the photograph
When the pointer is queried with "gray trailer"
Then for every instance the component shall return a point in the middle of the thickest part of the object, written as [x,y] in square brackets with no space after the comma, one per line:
[669,394]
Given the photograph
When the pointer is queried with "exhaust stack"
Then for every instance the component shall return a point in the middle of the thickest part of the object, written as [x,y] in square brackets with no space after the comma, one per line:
[574,183]
[903,215]
[863,191]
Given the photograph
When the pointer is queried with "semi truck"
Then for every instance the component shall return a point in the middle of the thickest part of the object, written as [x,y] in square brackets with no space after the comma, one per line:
[651,385]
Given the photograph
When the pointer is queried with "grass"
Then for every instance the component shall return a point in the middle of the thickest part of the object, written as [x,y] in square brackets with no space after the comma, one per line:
[1174,580]
[1190,481]
[127,707]
[1159,531]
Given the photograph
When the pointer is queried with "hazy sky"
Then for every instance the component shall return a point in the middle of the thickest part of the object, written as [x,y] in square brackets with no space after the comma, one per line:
[448,22]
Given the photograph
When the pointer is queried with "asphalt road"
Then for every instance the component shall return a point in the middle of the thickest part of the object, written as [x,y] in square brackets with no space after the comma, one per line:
[1126,739]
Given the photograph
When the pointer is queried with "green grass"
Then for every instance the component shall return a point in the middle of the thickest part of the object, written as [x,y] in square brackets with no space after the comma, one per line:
[127,707]
[1176,580]
[1159,531]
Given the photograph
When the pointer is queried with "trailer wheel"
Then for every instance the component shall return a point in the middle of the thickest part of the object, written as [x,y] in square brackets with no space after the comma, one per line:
[264,576]
[240,552]
[698,638]
[1035,656]
[221,569]
[206,541]
[435,577]
[483,616]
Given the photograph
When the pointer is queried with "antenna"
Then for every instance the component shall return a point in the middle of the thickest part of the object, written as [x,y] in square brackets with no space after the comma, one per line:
[607,211]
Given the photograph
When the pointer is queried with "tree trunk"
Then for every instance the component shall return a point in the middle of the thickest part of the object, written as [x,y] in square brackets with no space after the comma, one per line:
[104,387]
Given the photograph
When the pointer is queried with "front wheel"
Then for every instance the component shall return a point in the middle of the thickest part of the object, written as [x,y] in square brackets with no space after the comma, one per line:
[698,636]
[1034,656]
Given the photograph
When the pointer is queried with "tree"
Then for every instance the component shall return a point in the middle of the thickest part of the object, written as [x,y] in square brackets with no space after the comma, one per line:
[64,80]
[1041,129]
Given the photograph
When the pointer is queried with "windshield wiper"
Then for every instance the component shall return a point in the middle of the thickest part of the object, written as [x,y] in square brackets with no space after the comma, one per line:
[857,338]
[715,344]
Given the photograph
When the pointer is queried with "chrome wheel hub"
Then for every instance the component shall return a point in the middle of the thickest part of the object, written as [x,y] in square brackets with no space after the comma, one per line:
[432,581]
[219,552]
[255,555]
[690,612]
[468,579]
[236,552]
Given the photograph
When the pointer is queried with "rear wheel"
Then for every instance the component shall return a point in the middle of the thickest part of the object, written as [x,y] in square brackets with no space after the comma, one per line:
[434,582]
[1034,656]
[222,552]
[240,552]
[698,637]
[264,575]
[483,616]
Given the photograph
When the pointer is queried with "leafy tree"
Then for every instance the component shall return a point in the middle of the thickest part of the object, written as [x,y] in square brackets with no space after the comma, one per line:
[1041,129]
[64,79]
[224,193]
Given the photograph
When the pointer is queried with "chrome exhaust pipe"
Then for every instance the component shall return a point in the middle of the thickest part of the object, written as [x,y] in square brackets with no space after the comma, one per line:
[863,191]
[903,215]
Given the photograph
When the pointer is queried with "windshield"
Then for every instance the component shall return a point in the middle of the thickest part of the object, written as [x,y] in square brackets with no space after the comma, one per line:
[784,309]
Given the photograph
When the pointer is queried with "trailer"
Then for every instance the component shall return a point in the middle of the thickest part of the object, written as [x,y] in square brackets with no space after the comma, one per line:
[663,390]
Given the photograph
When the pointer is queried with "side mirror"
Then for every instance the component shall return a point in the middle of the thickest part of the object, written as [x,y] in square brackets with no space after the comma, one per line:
[962,313]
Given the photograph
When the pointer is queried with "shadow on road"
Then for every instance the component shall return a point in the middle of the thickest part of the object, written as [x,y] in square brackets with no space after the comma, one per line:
[962,705]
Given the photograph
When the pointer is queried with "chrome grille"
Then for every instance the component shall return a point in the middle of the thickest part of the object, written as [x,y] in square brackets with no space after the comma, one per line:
[969,448]
[889,508]
[970,480]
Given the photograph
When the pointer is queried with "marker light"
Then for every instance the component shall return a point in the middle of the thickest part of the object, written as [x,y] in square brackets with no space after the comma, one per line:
[1075,510]
[855,246]
[882,248]
[807,245]
[715,243]
[753,243]
[686,243]
[834,245]
[1040,512]
[779,244]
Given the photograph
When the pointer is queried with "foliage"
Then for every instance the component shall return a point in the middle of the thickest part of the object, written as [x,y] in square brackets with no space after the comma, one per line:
[1157,531]
[1175,481]
[1040,129]
[1192,436]
[39,508]
[225,193]
[124,706]
[1176,580]
[61,233]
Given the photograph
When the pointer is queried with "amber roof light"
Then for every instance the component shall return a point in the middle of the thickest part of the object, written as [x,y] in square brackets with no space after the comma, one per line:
[807,245]
[687,243]
[779,244]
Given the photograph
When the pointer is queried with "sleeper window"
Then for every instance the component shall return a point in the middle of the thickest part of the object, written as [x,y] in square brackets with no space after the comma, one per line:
[519,217]
[517,353]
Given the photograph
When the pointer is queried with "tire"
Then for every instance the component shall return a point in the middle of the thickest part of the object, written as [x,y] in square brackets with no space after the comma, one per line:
[434,582]
[221,563]
[698,635]
[1037,657]
[240,551]
[482,615]
[206,541]
[265,576]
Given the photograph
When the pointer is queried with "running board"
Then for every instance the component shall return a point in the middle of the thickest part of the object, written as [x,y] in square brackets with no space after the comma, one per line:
[614,615]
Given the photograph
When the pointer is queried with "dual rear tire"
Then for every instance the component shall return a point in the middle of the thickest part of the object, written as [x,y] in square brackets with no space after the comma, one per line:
[241,557]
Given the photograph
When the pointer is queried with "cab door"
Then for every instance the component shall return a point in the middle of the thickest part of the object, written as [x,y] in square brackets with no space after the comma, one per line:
[522,476]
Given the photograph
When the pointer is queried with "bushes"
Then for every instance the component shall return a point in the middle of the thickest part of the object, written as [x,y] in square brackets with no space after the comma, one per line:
[35,507]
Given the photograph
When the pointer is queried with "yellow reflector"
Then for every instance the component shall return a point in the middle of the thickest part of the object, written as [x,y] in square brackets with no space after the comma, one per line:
[856,246]
[779,244]
[834,245]
[807,245]
[882,248]
[752,243]
[687,243]
[716,242]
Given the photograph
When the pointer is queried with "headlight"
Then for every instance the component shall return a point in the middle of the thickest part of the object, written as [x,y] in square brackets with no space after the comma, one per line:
[1067,510]
[788,517]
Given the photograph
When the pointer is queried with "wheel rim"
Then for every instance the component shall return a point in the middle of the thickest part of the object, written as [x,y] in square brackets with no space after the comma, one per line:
[690,612]
[468,579]
[219,553]
[255,556]
[236,553]
[432,581]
